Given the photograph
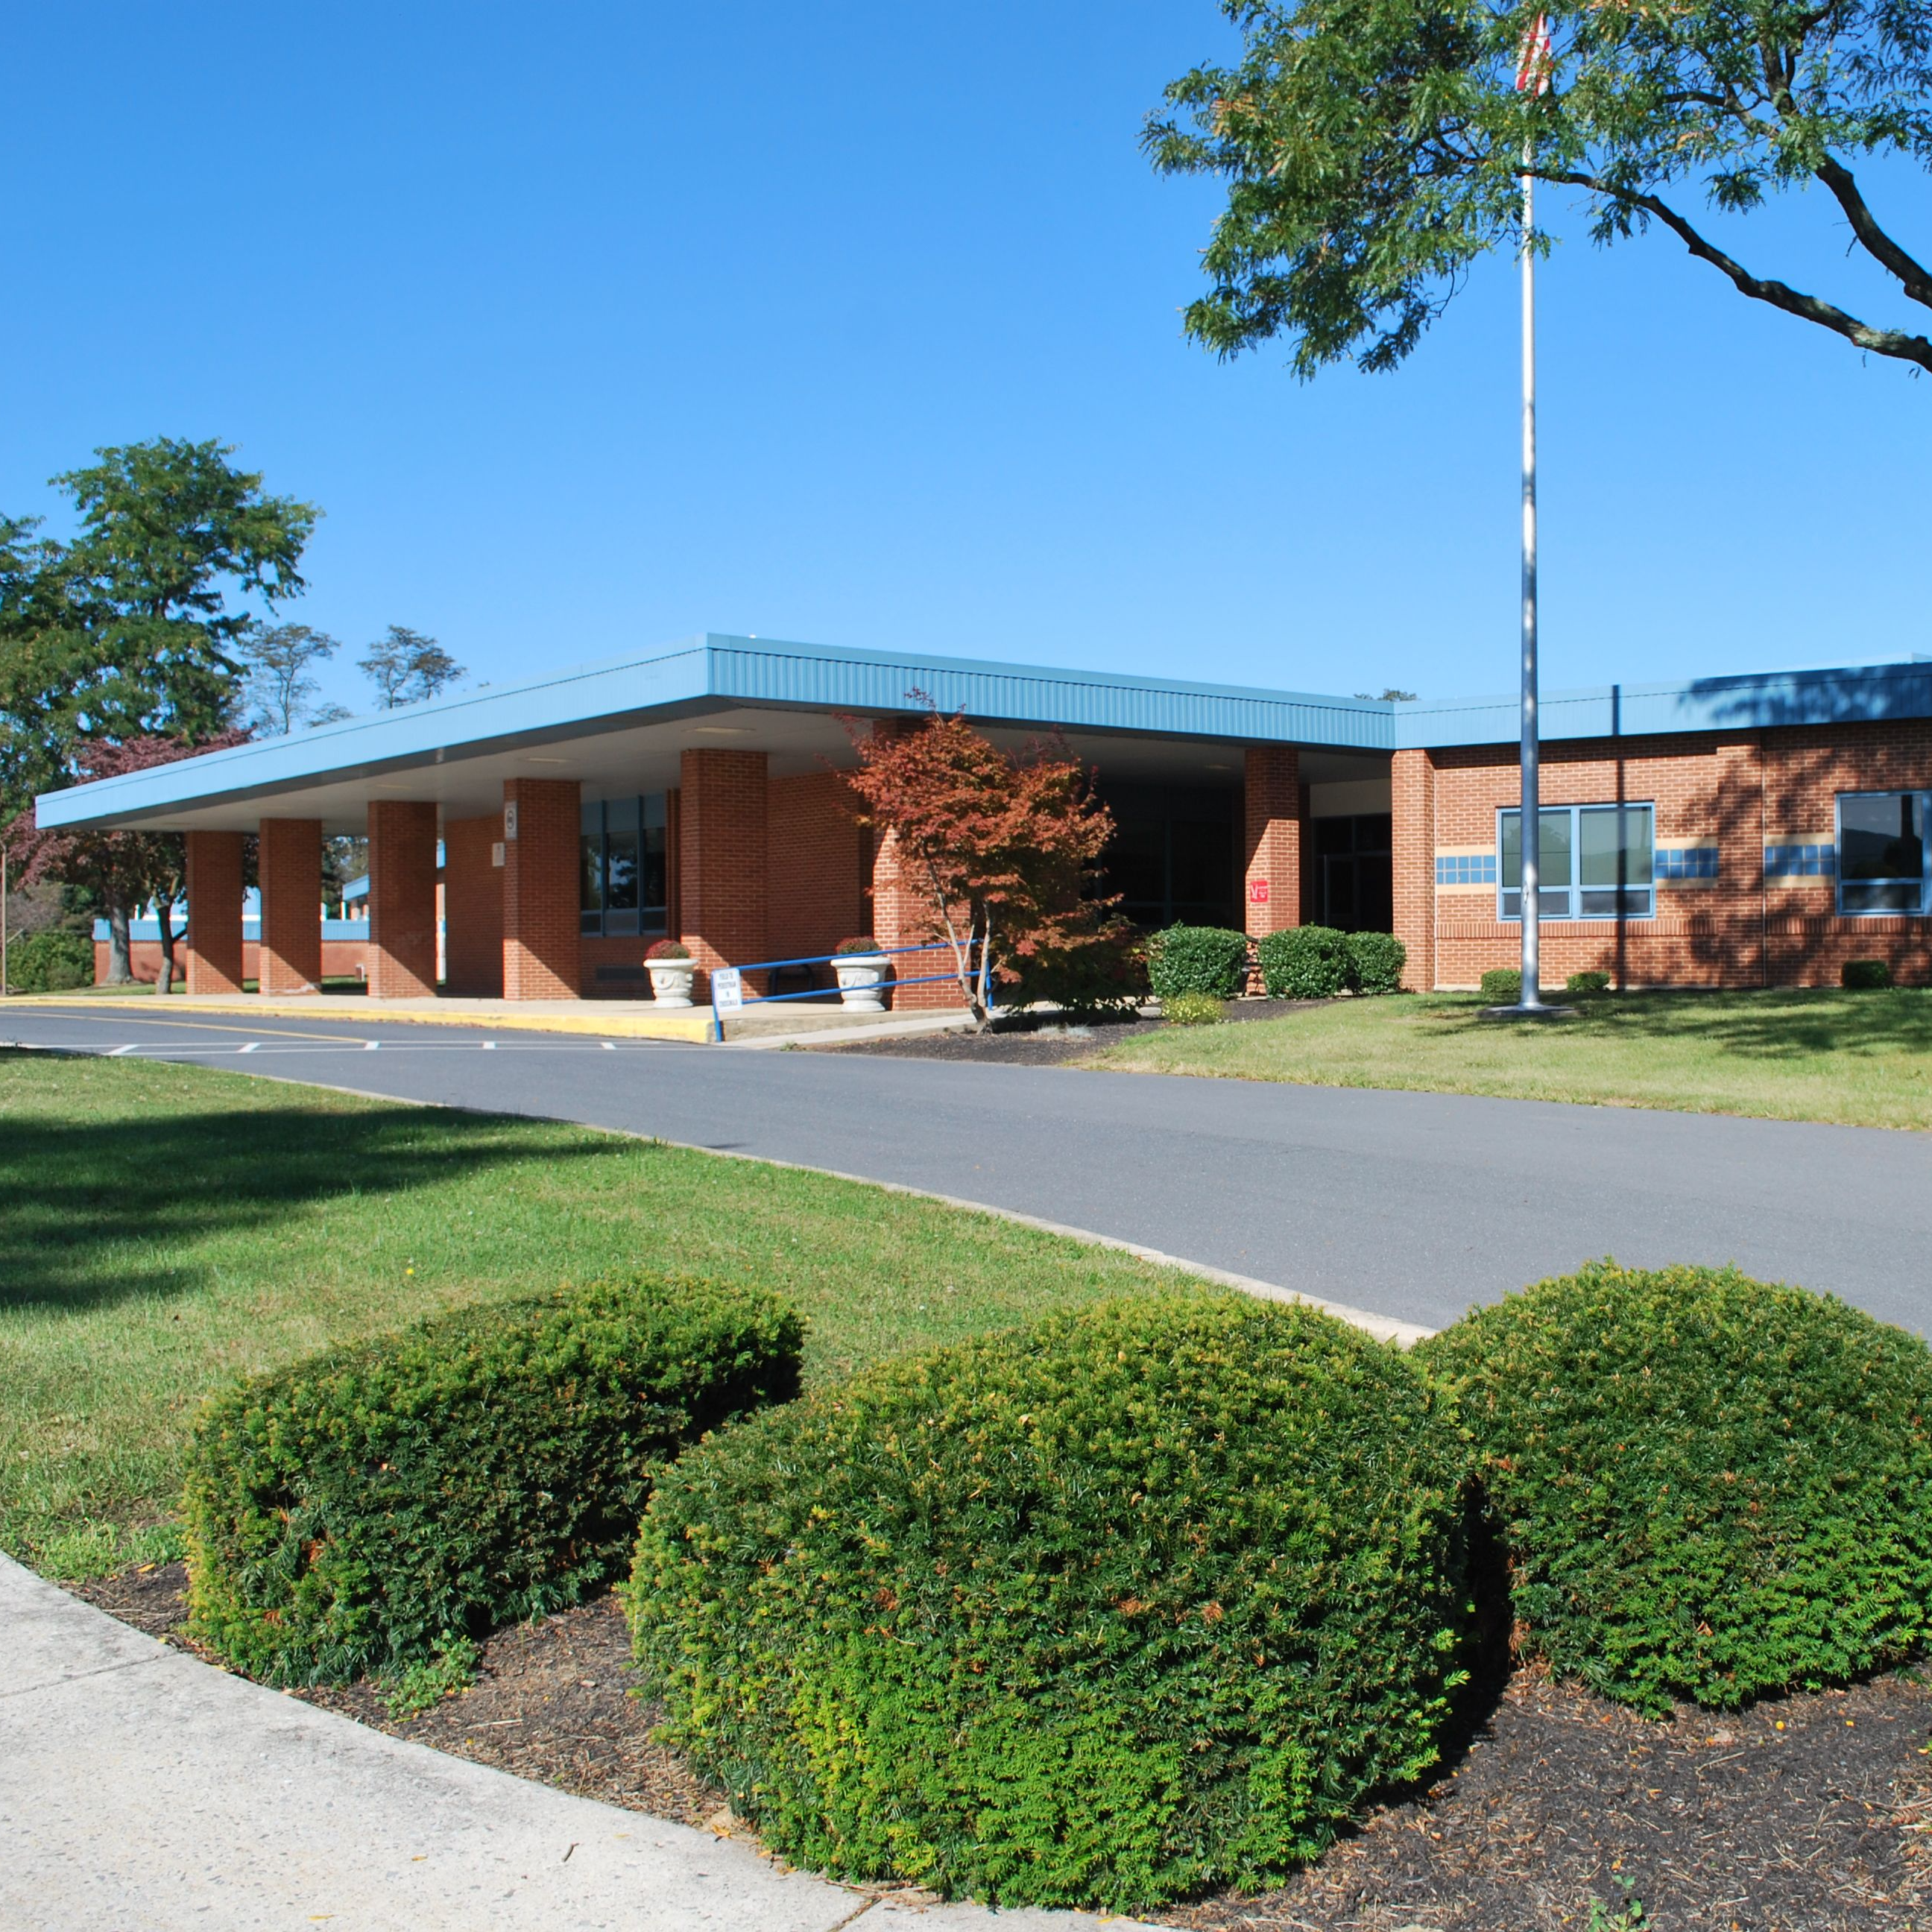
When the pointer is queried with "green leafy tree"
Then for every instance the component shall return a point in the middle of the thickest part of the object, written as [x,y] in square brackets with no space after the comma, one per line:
[1373,147]
[280,690]
[407,667]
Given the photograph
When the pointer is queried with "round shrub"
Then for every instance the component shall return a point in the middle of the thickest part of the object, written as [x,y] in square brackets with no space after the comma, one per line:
[1096,1612]
[1304,962]
[1587,982]
[357,1511]
[1192,1009]
[1376,962]
[1198,959]
[1502,985]
[1865,976]
[1709,1488]
[54,960]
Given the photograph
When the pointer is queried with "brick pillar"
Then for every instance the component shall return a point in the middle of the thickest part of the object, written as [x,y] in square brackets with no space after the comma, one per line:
[214,912]
[472,899]
[542,908]
[1271,886]
[1743,943]
[290,863]
[721,859]
[402,899]
[1412,803]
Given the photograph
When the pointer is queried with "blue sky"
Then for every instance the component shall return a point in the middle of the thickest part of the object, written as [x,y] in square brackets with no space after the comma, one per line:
[591,326]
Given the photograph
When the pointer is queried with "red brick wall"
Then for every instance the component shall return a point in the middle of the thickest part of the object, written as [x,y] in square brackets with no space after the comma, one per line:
[722,877]
[814,846]
[214,964]
[1271,841]
[473,895]
[291,873]
[402,899]
[1778,787]
[542,912]
[1412,800]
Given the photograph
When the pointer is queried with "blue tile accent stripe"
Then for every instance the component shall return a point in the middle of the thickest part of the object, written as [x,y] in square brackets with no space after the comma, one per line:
[1465,868]
[1687,862]
[1800,861]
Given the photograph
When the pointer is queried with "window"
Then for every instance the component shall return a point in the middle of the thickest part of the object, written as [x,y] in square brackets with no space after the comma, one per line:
[622,871]
[1597,861]
[1881,855]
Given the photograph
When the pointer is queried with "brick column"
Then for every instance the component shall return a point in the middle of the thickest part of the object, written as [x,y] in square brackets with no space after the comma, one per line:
[721,859]
[1271,881]
[402,899]
[290,863]
[472,901]
[1412,805]
[214,898]
[542,897]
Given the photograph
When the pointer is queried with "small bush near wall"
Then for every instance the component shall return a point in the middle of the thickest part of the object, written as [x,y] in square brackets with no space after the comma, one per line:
[51,961]
[1587,982]
[1709,1488]
[1502,986]
[1192,1009]
[1376,961]
[1865,976]
[358,1512]
[1305,962]
[1198,959]
[1098,1612]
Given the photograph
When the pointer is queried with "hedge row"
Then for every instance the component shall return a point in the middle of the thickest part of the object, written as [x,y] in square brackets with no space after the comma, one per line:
[54,960]
[1301,962]
[352,1513]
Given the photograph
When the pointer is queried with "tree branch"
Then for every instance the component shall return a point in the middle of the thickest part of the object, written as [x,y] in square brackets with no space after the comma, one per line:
[1915,277]
[1890,342]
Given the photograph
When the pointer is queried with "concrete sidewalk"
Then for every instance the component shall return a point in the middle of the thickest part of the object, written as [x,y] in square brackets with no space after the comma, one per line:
[140,1788]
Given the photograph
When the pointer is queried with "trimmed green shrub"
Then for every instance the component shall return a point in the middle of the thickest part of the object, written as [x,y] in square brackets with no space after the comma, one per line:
[1709,1488]
[1376,962]
[1198,959]
[1865,976]
[1192,1009]
[1096,1612]
[1587,982]
[1502,986]
[1304,962]
[54,960]
[358,1512]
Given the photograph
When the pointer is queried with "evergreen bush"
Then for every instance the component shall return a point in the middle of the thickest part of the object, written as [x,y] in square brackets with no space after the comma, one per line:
[1098,1612]
[1865,976]
[1304,962]
[1198,959]
[55,960]
[1502,986]
[358,1512]
[1709,1488]
[1587,982]
[1376,962]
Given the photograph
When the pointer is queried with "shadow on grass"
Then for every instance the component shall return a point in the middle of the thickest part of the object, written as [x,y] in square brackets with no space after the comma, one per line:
[91,1209]
[1796,1023]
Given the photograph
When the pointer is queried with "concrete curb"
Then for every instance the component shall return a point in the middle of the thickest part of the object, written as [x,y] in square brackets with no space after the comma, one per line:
[139,1787]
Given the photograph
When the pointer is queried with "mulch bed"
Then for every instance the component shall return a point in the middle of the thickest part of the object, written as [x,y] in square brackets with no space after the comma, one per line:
[1806,1814]
[1030,1041]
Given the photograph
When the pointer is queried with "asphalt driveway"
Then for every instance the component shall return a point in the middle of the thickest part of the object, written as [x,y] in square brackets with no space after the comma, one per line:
[1412,1205]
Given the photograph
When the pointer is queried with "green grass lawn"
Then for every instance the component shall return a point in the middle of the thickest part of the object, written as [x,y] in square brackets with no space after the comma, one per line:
[163,1227]
[1860,1059]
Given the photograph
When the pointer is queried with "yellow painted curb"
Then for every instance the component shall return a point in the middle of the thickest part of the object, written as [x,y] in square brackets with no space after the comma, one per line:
[694,1025]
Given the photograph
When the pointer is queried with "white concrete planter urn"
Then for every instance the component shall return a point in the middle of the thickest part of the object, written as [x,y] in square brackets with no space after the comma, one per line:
[671,976]
[861,979]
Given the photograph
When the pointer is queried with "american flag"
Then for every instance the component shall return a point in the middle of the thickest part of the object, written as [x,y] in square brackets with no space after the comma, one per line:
[1533,60]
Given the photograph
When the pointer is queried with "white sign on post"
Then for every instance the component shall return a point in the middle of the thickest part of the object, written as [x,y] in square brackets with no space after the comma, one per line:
[728,989]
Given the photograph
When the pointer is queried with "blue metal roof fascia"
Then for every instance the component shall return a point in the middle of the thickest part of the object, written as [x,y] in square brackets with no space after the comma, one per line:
[496,718]
[1854,694]
[812,677]
[741,670]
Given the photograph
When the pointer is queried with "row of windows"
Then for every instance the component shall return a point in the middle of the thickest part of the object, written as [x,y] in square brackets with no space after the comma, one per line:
[1598,859]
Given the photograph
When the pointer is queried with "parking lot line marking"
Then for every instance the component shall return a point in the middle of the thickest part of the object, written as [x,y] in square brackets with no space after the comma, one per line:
[250,1047]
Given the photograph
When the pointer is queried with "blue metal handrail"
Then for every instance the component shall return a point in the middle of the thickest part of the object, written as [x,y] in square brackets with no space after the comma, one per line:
[827,959]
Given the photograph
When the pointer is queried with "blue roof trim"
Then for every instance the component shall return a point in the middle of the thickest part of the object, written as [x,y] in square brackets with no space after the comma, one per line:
[1861,695]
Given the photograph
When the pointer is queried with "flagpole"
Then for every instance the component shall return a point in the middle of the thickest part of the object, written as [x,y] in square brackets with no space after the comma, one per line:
[1530,996]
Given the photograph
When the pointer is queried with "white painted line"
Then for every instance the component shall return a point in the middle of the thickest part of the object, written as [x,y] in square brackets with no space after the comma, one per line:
[489,1046]
[371,1045]
[250,1047]
[609,1046]
[119,1050]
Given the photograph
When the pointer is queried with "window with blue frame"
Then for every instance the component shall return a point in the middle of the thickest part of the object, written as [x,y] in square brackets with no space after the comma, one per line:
[623,873]
[1883,861]
[1598,861]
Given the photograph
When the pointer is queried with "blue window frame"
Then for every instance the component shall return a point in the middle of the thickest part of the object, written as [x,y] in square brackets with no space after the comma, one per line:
[1599,861]
[623,877]
[1800,861]
[1884,865]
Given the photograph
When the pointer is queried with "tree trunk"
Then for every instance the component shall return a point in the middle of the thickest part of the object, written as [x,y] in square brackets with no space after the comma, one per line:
[164,915]
[120,956]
